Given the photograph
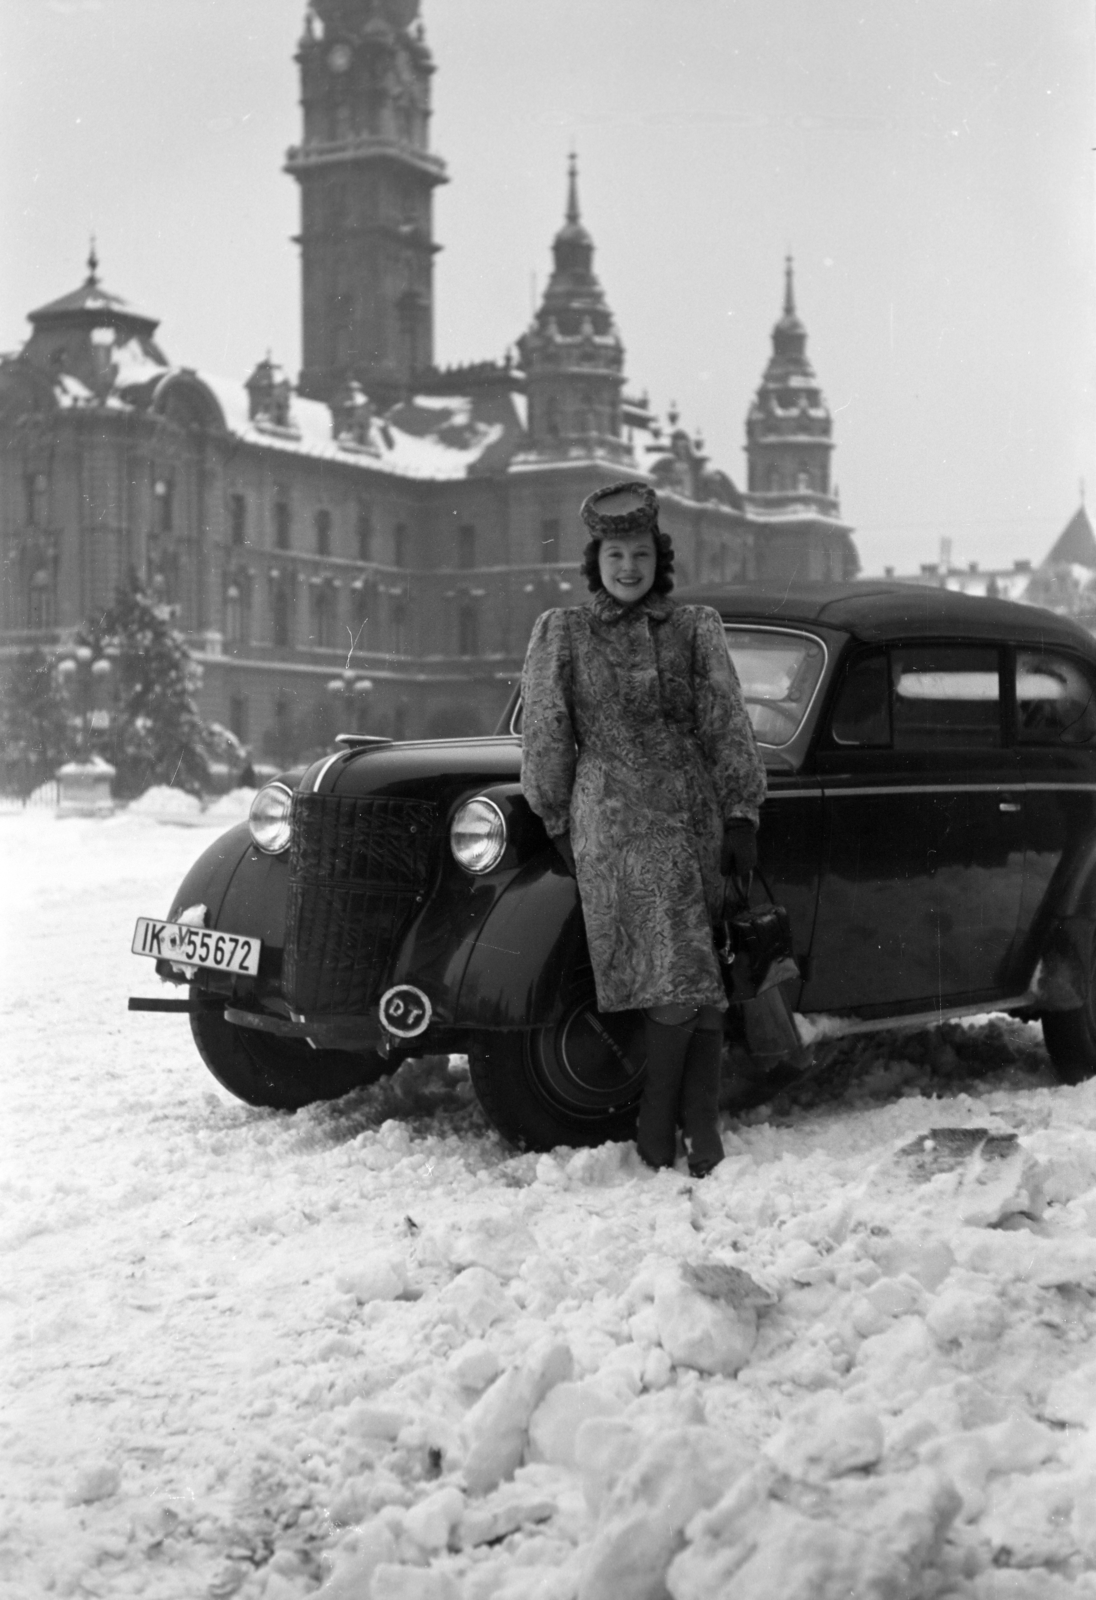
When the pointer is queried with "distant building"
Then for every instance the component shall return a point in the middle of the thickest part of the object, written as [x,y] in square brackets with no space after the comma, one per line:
[1065,580]
[370,548]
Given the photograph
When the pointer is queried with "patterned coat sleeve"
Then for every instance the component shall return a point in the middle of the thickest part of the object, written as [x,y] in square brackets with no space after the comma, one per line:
[548,748]
[723,723]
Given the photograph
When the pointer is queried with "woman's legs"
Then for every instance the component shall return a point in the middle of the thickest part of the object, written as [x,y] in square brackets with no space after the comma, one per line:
[668,1032]
[698,1106]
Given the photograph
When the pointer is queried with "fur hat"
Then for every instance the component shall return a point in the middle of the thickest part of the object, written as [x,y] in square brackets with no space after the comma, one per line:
[620,509]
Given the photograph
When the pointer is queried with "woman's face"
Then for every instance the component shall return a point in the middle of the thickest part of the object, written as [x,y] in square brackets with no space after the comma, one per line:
[627,566]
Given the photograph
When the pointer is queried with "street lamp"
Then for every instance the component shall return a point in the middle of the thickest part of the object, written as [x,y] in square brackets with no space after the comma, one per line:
[350,689]
[85,683]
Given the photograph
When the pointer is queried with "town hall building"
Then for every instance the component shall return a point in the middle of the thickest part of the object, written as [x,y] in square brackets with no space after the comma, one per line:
[367,549]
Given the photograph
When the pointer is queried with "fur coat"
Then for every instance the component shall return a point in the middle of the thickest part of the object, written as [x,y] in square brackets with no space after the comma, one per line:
[636,738]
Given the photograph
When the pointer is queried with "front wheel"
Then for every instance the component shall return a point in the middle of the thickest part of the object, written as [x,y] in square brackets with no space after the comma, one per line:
[283,1074]
[1070,1038]
[576,1082]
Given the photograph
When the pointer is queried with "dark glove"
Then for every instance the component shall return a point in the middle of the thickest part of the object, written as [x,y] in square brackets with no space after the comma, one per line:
[739,855]
[562,842]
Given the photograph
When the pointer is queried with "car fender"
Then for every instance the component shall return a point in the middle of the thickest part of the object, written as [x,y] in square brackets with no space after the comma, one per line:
[244,891]
[208,879]
[530,942]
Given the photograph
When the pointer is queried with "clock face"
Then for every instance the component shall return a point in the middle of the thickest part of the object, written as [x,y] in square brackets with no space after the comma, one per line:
[339,57]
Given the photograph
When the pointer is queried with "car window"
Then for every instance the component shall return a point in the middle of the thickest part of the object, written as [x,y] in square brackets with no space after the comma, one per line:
[1054,700]
[945,696]
[779,672]
[861,714]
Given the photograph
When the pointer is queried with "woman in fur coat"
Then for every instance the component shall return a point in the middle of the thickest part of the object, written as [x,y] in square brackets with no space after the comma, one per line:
[640,759]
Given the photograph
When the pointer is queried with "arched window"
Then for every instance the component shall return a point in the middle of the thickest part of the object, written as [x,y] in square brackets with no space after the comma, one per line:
[237,517]
[280,612]
[364,612]
[323,533]
[283,725]
[398,616]
[238,716]
[365,532]
[282,520]
[233,615]
[323,616]
[468,630]
[164,491]
[41,601]
[36,493]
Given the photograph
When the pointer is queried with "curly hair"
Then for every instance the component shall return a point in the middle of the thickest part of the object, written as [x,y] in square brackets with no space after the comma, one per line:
[664,563]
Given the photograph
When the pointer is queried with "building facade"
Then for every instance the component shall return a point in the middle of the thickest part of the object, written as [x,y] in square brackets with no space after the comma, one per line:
[368,549]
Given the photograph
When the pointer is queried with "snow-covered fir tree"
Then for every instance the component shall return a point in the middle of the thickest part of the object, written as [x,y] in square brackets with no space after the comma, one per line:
[155,734]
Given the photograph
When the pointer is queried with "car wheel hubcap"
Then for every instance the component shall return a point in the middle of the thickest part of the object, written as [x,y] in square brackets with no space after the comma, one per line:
[590,1065]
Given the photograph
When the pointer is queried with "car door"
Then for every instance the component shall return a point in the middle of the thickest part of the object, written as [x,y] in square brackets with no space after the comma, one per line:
[780,670]
[1056,749]
[923,848]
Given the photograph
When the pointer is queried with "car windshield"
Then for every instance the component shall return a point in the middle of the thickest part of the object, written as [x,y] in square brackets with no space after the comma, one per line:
[779,672]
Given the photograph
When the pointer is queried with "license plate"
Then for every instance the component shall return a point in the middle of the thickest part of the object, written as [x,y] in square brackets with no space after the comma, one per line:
[196,947]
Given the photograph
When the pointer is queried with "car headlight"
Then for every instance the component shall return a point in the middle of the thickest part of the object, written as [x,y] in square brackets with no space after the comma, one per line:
[477,837]
[268,818]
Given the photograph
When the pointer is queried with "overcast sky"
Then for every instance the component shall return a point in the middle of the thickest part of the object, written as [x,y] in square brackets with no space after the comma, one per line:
[927,162]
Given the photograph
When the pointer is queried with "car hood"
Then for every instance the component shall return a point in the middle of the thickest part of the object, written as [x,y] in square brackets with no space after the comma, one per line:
[425,767]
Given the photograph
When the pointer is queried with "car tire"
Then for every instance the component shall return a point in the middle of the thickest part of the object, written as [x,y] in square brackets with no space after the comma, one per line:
[283,1074]
[1070,1038]
[576,1082]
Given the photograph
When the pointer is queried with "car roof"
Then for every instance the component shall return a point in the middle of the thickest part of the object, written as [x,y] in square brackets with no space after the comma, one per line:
[877,609]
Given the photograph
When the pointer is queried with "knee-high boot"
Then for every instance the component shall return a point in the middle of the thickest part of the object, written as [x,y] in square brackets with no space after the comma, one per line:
[698,1107]
[656,1130]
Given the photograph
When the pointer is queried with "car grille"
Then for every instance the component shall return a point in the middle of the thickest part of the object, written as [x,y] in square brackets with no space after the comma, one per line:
[357,872]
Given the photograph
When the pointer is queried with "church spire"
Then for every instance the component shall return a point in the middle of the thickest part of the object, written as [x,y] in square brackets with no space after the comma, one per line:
[572,190]
[789,430]
[572,353]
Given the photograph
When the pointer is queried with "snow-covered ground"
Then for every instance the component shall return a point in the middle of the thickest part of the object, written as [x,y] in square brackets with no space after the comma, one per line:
[368,1346]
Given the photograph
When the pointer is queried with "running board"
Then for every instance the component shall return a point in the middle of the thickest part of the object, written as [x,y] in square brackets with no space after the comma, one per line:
[815,1027]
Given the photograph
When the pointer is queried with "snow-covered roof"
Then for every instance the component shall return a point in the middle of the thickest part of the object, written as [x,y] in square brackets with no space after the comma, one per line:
[92,301]
[434,437]
[800,511]
[427,437]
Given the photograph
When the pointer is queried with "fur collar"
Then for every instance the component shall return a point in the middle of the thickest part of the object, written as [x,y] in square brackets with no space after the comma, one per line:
[656,606]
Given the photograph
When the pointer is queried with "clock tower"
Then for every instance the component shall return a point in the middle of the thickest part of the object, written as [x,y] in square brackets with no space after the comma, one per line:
[367,179]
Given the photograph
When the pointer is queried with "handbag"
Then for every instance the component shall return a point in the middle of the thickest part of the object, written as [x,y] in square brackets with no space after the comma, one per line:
[753,943]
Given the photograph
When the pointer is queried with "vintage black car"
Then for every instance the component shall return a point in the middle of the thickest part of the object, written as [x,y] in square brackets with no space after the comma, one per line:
[930,827]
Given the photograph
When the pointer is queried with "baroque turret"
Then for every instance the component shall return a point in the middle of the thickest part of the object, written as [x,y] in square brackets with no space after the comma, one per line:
[572,354]
[789,430]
